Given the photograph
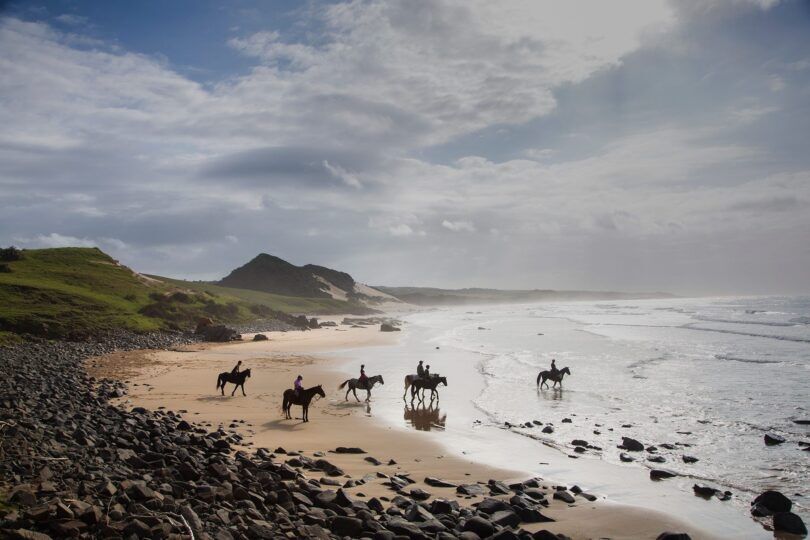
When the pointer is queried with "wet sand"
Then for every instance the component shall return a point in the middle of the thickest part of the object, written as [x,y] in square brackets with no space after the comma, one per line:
[185,381]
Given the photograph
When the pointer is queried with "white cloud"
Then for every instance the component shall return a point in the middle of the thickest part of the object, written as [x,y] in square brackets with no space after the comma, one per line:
[458,226]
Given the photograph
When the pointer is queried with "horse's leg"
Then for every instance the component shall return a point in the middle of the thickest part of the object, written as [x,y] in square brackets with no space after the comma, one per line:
[235,386]
[368,394]
[243,388]
[223,388]
[354,391]
[349,389]
[305,413]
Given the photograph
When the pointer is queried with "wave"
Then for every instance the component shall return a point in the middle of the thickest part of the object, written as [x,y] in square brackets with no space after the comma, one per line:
[746,360]
[737,321]
[748,334]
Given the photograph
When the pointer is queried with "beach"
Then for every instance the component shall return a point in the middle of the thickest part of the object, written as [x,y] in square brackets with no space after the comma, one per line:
[183,381]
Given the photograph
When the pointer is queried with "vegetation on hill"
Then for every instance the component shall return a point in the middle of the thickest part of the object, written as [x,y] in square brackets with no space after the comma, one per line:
[341,280]
[75,293]
[271,274]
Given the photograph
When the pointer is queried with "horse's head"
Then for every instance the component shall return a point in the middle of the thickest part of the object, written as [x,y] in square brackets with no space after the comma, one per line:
[443,380]
[247,373]
[379,377]
[319,391]
[566,371]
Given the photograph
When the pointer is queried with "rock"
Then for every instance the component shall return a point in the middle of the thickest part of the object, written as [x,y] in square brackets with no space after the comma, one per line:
[436,482]
[657,459]
[626,458]
[773,440]
[774,501]
[470,489]
[260,337]
[563,495]
[25,534]
[661,474]
[689,459]
[490,506]
[704,491]
[673,536]
[631,445]
[419,494]
[548,429]
[349,450]
[346,526]
[789,522]
[505,518]
[479,526]
[373,460]
[385,327]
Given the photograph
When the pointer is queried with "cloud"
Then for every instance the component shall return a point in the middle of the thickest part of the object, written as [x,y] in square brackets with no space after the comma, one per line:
[458,226]
[655,133]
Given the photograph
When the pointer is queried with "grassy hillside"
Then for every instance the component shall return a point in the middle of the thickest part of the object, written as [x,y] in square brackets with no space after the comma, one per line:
[287,304]
[78,292]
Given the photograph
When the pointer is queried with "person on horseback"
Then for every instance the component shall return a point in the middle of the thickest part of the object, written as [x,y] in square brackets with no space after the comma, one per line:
[426,373]
[554,370]
[420,370]
[363,380]
[299,385]
[235,370]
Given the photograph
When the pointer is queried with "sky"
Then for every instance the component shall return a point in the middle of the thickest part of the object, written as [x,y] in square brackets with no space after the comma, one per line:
[631,145]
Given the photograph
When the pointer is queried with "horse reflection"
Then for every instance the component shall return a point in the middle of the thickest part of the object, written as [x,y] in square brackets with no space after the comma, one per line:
[425,417]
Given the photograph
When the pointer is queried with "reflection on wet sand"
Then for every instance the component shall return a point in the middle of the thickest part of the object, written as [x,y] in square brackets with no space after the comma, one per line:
[425,417]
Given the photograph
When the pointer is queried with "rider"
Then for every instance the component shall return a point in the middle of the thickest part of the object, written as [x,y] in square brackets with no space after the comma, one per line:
[363,377]
[426,374]
[554,370]
[420,369]
[299,385]
[235,370]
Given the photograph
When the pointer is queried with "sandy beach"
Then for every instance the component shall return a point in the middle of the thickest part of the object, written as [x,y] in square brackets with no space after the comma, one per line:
[183,381]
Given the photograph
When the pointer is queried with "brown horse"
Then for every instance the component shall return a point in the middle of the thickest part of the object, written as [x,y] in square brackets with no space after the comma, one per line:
[238,380]
[354,384]
[303,399]
[427,383]
[543,376]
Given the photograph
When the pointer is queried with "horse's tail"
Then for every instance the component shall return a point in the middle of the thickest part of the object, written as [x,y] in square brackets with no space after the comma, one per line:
[220,382]
[344,383]
[284,403]
[539,376]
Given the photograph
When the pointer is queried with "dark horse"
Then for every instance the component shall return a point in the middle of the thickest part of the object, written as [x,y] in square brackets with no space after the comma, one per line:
[543,376]
[427,383]
[238,380]
[303,399]
[354,384]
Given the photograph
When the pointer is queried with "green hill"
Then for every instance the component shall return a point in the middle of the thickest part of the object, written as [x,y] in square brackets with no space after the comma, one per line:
[79,292]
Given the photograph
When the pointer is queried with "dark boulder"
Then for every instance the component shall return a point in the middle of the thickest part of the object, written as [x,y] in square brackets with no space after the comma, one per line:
[346,526]
[631,445]
[480,526]
[673,536]
[385,327]
[661,474]
[773,440]
[260,337]
[773,501]
[789,522]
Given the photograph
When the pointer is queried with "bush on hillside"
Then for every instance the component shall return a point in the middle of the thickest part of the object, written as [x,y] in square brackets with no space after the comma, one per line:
[5,269]
[10,254]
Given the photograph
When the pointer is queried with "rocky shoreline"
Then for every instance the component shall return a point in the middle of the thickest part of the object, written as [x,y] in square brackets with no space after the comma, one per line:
[75,465]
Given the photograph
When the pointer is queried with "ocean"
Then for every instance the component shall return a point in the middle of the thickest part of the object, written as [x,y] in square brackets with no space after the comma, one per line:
[704,377]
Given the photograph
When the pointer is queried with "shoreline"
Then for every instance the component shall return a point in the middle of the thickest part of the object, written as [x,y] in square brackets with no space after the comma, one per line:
[160,385]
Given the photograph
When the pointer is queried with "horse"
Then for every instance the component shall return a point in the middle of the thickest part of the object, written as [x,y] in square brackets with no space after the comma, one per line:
[354,384]
[237,379]
[426,383]
[290,399]
[543,376]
